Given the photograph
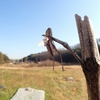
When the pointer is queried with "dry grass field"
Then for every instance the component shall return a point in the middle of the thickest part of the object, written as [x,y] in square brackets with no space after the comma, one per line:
[54,83]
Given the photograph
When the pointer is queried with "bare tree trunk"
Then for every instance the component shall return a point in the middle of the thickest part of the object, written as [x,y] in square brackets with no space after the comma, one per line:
[90,57]
[92,75]
[90,61]
[91,69]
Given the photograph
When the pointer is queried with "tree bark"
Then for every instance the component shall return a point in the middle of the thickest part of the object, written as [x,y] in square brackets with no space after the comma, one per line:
[90,57]
[91,71]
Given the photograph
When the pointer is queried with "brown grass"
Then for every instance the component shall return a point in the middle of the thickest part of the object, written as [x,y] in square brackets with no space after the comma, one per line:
[48,63]
[54,83]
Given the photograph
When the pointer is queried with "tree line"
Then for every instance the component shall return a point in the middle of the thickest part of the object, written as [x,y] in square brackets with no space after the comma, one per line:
[38,57]
[66,56]
[3,58]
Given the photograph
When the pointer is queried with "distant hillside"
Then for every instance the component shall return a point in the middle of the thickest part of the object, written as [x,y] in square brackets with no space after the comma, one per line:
[66,56]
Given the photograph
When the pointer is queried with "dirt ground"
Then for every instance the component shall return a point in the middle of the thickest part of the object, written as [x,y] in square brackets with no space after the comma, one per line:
[58,67]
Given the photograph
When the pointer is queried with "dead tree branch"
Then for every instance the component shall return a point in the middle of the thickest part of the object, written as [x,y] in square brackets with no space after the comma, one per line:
[69,49]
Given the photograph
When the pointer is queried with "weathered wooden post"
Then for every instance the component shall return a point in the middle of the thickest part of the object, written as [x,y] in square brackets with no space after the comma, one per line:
[90,57]
[90,61]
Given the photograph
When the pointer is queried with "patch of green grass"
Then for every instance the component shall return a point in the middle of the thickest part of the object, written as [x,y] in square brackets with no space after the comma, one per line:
[54,83]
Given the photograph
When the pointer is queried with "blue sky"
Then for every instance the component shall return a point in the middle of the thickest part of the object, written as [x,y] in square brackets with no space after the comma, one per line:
[22,23]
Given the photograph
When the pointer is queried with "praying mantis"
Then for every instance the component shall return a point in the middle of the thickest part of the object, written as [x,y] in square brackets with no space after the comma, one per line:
[48,42]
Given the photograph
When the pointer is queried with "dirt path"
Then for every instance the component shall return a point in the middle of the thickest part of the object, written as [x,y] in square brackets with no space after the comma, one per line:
[15,67]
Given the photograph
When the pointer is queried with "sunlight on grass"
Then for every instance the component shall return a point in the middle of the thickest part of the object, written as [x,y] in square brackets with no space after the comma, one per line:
[54,83]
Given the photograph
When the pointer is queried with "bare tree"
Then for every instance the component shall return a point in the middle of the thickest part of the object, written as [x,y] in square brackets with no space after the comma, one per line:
[90,57]
[90,61]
